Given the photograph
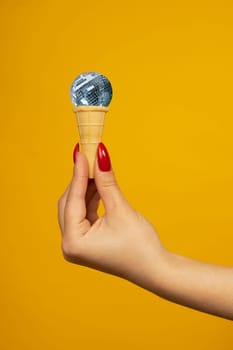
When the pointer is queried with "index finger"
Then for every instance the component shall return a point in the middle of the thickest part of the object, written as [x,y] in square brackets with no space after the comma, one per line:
[75,208]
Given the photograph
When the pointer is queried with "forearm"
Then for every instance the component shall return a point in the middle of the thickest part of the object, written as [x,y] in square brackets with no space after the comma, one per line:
[202,286]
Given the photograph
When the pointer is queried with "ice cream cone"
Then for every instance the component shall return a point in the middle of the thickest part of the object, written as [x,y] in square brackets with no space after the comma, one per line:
[90,120]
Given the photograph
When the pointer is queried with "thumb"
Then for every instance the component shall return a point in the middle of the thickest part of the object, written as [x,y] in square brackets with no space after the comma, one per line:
[105,180]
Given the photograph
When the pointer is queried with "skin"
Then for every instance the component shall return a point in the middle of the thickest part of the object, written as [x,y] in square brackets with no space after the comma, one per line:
[123,243]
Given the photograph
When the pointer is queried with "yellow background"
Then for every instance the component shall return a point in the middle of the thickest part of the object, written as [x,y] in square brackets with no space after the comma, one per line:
[169,132]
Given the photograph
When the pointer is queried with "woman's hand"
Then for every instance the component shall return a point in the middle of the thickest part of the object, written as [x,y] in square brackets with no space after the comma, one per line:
[121,242]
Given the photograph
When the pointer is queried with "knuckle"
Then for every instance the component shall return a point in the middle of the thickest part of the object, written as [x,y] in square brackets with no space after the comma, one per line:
[71,250]
[70,212]
[68,248]
[109,184]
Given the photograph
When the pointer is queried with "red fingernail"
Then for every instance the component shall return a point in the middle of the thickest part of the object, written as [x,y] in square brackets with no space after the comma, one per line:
[103,158]
[75,152]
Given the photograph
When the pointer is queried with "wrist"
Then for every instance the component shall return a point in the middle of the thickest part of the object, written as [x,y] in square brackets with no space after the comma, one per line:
[152,270]
[162,272]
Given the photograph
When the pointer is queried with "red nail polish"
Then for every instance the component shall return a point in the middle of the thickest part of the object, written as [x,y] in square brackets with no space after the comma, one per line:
[75,152]
[103,158]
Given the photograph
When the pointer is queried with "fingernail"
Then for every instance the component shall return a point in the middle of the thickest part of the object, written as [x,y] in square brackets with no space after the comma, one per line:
[103,158]
[75,152]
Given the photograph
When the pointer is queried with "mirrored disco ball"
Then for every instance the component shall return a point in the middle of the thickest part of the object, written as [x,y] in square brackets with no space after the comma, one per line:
[91,89]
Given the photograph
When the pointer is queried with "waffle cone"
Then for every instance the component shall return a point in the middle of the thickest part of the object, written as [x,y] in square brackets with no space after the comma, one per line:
[90,120]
